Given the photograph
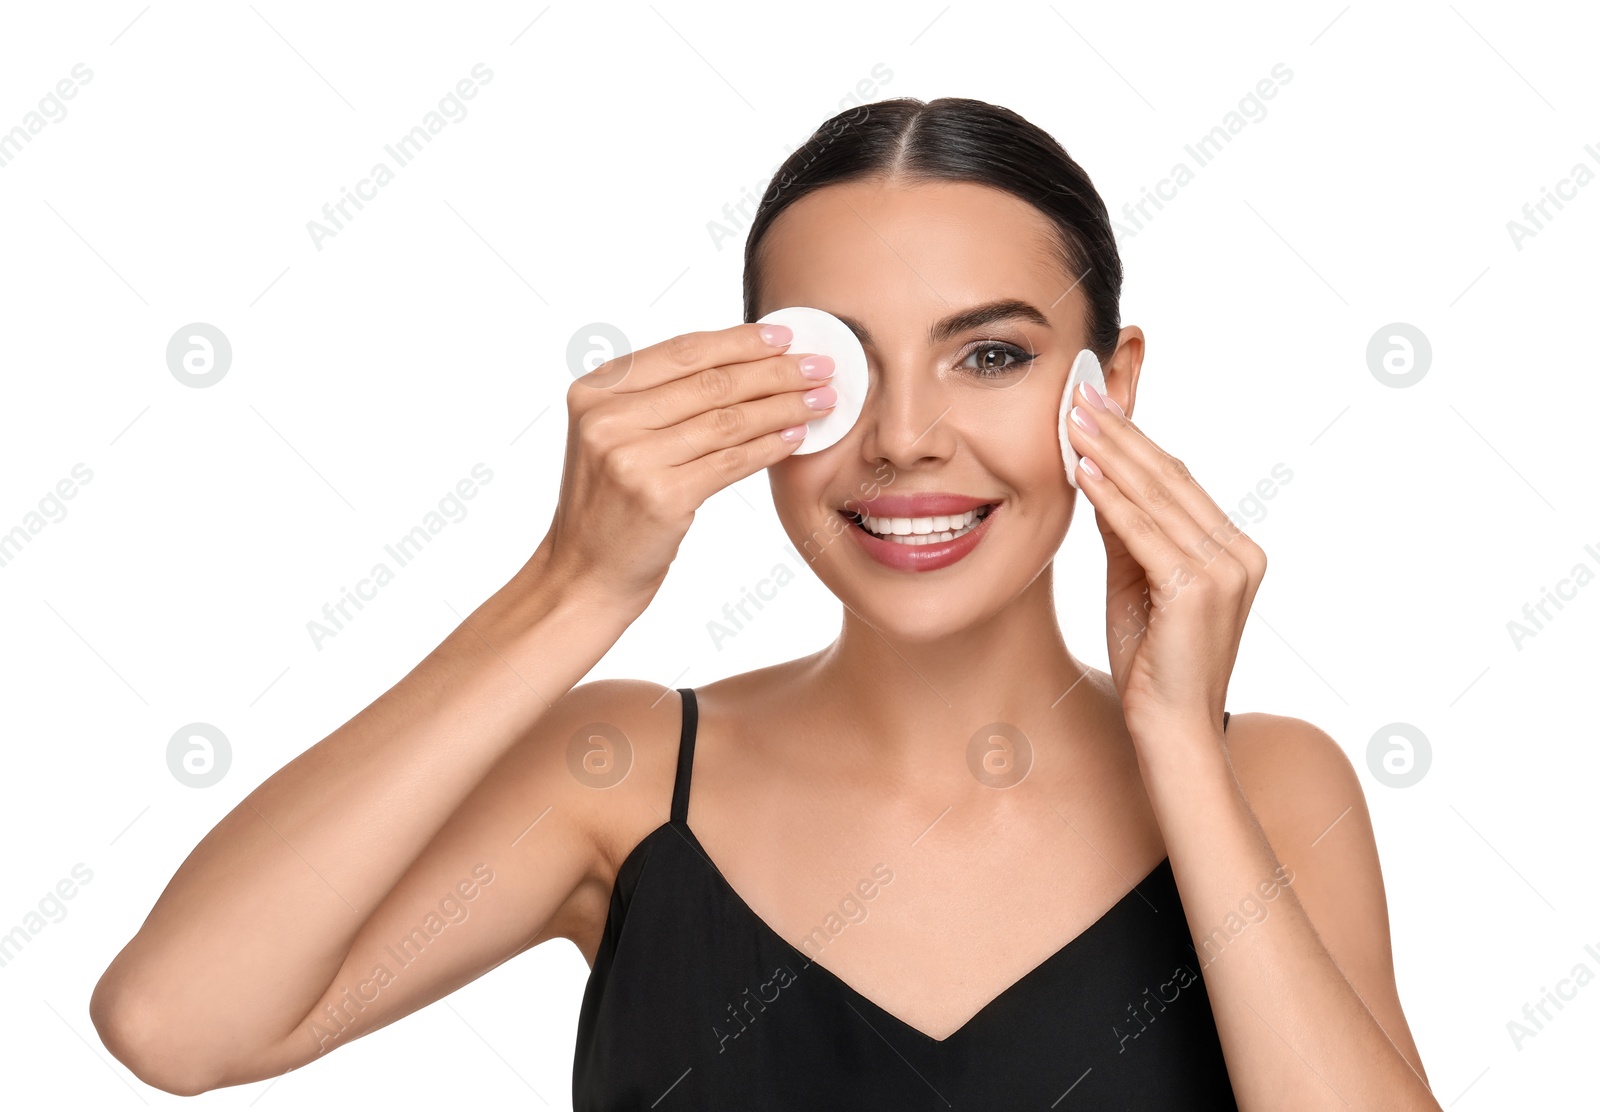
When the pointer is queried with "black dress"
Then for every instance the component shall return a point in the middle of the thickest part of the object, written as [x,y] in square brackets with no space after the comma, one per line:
[695,1002]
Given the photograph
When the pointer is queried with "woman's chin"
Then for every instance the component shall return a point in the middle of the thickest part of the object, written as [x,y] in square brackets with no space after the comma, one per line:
[918,618]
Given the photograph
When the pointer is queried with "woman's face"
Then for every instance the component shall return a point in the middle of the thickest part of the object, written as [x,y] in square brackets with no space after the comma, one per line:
[965,408]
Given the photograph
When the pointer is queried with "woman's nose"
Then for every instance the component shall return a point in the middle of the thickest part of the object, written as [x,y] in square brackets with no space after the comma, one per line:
[905,417]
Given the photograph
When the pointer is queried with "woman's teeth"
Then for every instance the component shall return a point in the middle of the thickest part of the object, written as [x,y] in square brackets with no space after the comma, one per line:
[923,530]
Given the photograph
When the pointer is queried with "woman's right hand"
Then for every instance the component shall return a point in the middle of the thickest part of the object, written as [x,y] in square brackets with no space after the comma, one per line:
[652,434]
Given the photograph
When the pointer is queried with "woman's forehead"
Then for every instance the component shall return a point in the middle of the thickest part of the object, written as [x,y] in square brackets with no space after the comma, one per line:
[944,243]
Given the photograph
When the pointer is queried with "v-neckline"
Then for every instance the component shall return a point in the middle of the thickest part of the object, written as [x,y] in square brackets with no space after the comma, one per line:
[853,994]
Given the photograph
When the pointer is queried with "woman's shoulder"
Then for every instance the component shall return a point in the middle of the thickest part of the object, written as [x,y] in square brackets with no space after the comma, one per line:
[1295,775]
[618,738]
[1308,800]
[621,738]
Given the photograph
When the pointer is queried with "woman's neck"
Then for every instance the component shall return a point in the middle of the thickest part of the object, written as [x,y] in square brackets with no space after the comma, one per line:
[1014,668]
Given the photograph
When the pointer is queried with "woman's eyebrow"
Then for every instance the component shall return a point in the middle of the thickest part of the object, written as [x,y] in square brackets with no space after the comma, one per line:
[967,319]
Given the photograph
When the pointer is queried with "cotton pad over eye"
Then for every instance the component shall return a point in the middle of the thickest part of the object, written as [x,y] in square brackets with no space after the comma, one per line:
[1085,368]
[820,333]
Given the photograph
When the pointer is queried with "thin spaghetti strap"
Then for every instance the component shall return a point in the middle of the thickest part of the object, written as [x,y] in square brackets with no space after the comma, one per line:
[680,785]
[1224,721]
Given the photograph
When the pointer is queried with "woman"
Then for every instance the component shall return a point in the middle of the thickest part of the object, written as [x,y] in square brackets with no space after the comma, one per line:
[940,862]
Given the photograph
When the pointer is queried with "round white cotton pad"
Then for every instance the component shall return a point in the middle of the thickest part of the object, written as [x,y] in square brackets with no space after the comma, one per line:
[820,333]
[1085,368]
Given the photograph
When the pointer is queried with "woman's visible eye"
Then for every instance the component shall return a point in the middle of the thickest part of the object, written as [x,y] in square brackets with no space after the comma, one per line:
[989,367]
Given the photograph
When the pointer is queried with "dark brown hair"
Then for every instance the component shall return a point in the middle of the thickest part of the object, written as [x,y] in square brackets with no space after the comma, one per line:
[958,139]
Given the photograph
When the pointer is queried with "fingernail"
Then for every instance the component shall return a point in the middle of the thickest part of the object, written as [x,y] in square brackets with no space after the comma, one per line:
[816,366]
[1087,466]
[793,432]
[1111,404]
[821,398]
[1093,396]
[778,335]
[1080,417]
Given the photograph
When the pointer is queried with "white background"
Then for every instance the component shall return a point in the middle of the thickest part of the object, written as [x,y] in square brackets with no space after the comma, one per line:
[431,334]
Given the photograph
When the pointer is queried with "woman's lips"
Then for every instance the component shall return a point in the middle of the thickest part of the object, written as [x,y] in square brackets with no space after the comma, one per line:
[923,557]
[923,504]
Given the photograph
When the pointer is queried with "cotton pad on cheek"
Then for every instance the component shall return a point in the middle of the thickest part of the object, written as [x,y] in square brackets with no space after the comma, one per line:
[1085,368]
[820,333]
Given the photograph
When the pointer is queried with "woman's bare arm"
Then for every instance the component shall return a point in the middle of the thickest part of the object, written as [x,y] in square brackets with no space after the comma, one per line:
[1308,800]
[1274,857]
[255,931]
[1305,1011]
[530,855]
[254,928]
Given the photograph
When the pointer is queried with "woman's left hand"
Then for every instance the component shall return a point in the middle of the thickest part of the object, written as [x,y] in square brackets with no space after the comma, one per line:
[1180,576]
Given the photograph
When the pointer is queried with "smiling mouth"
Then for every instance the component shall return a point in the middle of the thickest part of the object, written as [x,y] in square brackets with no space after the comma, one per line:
[921,530]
